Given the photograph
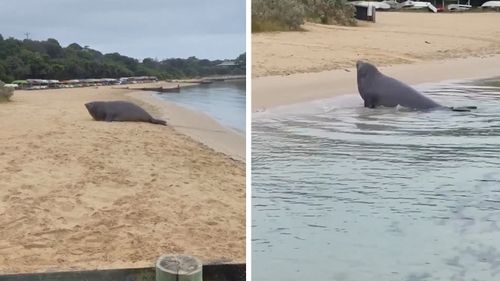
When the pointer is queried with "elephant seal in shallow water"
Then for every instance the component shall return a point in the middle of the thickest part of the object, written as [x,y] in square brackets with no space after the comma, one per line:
[378,89]
[120,111]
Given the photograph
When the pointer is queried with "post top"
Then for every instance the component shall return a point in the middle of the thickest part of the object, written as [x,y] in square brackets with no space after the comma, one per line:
[179,264]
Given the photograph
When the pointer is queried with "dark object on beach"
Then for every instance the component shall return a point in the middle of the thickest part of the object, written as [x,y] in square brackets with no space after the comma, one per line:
[366,13]
[171,90]
[163,90]
[120,111]
[377,89]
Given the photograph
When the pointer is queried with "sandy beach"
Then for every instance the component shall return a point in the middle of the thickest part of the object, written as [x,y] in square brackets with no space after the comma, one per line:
[81,194]
[293,67]
[197,125]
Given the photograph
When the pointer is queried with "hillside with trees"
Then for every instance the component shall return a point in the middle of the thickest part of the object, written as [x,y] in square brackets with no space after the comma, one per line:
[31,59]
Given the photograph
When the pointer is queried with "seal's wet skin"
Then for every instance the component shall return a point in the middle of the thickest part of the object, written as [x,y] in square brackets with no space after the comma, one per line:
[120,111]
[377,89]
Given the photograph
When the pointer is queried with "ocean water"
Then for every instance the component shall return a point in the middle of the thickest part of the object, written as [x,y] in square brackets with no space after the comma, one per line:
[223,101]
[342,192]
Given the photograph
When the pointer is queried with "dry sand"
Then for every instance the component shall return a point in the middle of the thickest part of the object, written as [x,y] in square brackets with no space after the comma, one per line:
[396,37]
[418,47]
[81,194]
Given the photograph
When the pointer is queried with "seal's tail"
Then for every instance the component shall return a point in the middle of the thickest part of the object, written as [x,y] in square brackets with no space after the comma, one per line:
[158,121]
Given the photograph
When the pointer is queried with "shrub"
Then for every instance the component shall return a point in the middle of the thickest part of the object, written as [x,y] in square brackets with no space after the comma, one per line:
[332,11]
[274,15]
[5,92]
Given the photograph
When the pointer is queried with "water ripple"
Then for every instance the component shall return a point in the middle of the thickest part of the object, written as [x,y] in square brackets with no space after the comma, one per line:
[385,194]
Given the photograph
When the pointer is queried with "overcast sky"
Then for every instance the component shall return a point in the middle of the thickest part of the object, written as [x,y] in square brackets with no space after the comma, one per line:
[212,29]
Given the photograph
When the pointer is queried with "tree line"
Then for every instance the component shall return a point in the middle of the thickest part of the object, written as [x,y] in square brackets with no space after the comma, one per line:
[25,59]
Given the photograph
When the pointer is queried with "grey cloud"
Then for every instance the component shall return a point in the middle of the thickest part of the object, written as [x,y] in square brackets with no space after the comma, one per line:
[152,28]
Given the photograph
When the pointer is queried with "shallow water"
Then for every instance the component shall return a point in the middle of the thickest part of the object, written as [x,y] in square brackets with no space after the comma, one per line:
[224,101]
[341,192]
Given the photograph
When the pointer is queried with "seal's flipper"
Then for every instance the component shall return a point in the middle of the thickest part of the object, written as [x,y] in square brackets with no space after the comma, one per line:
[370,102]
[158,121]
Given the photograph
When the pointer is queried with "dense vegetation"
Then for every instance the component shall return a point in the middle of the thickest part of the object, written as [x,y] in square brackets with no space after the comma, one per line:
[24,59]
[273,15]
[331,11]
[5,93]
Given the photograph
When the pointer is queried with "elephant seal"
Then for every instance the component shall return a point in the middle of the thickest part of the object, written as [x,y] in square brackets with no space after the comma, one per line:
[377,89]
[120,111]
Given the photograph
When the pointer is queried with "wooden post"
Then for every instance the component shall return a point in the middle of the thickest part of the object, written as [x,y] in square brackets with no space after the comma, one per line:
[178,268]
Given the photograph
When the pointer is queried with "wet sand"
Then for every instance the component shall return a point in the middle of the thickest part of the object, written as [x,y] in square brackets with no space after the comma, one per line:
[81,194]
[272,91]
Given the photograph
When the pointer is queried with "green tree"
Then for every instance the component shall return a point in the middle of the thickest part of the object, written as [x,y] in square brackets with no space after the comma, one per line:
[17,67]
[241,61]
[53,49]
[49,60]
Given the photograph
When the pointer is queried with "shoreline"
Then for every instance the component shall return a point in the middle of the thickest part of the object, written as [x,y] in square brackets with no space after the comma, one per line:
[292,67]
[274,91]
[198,125]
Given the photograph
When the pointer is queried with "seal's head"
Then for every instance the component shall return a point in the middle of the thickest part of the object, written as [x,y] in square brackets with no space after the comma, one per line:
[94,110]
[89,105]
[366,72]
[365,69]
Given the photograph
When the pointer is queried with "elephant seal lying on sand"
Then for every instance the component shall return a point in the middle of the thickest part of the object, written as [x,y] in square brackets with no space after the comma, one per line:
[120,111]
[377,89]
